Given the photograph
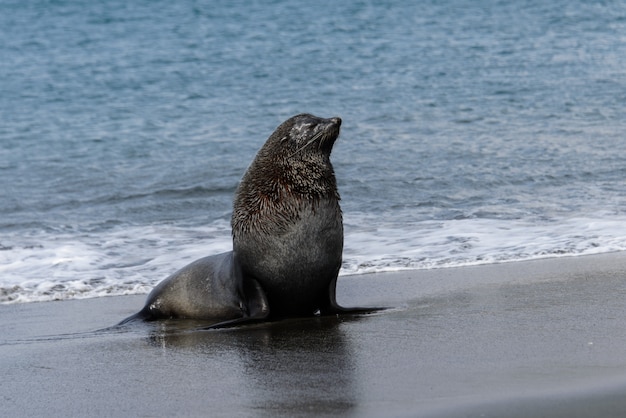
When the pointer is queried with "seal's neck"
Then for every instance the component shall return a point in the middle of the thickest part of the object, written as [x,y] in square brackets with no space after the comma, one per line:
[273,193]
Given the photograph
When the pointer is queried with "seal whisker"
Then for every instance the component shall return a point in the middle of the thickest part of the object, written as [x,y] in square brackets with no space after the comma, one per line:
[312,140]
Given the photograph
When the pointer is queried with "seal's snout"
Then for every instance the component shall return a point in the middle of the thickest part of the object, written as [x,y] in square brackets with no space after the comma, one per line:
[336,121]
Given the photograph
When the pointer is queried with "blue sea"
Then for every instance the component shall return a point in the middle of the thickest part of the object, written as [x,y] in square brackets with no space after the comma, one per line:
[473,131]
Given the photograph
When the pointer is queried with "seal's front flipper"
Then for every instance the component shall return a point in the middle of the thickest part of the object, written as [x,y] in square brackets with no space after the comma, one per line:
[334,309]
[257,308]
[331,307]
[256,300]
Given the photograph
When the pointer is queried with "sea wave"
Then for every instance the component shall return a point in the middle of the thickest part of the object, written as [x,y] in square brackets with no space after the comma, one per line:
[466,242]
[56,265]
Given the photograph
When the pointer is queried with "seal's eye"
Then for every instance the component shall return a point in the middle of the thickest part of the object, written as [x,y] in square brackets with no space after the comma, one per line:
[308,120]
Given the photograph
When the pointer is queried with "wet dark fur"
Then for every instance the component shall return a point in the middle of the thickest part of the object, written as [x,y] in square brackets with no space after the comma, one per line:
[287,239]
[287,223]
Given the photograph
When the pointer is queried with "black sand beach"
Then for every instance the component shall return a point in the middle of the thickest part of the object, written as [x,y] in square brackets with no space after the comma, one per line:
[539,338]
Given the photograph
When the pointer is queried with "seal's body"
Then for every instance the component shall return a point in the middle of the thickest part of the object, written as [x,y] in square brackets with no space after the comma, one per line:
[287,224]
[287,239]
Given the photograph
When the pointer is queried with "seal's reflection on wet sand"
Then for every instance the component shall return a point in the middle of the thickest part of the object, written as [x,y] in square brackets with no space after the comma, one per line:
[288,365]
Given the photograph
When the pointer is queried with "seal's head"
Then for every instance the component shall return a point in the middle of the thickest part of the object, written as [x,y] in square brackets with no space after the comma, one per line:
[292,168]
[303,136]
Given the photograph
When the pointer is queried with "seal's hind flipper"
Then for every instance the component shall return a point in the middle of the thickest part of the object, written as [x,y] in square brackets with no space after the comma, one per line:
[246,320]
[142,315]
[234,323]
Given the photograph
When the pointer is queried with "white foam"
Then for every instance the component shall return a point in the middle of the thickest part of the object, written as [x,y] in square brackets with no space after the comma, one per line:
[131,260]
[44,266]
[436,244]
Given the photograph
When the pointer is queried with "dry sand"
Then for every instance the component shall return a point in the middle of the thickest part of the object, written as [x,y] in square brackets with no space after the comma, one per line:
[540,338]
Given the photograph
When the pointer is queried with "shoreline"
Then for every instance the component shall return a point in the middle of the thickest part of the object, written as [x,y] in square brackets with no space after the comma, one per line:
[566,256]
[539,337]
[386,273]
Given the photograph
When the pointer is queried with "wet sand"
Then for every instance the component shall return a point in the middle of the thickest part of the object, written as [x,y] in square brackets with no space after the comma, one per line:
[539,338]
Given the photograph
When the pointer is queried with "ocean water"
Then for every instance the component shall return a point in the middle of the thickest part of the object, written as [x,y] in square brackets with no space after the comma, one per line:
[473,131]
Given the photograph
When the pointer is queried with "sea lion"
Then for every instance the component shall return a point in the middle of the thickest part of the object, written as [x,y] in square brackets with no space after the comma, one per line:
[287,239]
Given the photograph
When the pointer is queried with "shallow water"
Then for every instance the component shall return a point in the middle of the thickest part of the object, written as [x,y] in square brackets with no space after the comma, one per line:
[473,132]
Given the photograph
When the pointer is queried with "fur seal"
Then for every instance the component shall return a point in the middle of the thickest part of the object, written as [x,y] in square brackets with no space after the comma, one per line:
[287,239]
